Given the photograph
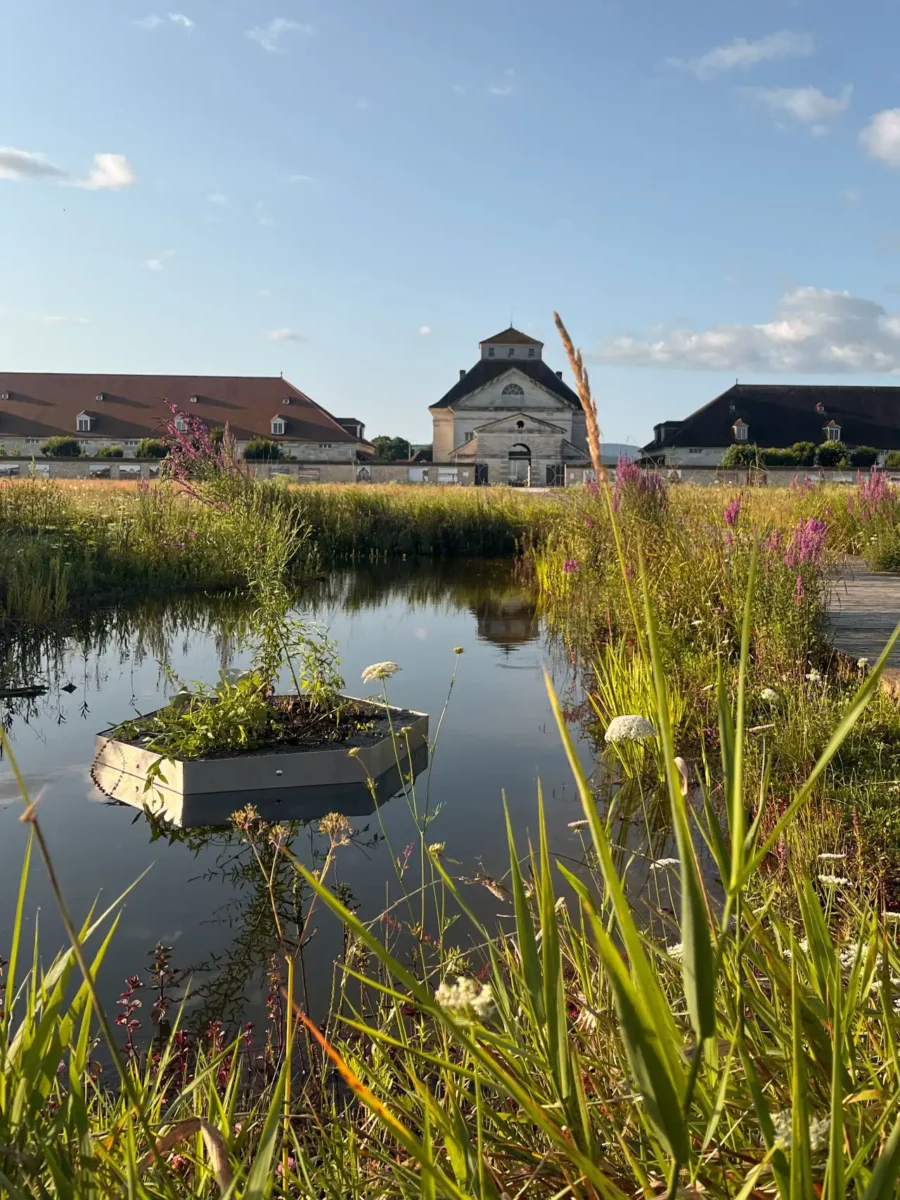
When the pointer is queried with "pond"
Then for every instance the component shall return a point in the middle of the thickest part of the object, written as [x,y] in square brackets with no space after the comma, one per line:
[202,894]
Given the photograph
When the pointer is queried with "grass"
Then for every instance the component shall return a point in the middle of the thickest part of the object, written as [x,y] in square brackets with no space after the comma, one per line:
[62,545]
[740,1043]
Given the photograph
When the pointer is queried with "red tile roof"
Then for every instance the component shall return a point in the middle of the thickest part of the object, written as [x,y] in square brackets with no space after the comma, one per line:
[510,337]
[133,406]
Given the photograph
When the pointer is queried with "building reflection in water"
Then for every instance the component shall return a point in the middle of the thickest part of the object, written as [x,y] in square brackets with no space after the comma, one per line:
[508,621]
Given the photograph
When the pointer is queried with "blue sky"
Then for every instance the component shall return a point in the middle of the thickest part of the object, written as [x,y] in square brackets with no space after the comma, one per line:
[354,193]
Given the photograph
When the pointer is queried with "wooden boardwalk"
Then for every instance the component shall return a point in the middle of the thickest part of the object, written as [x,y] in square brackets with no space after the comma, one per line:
[864,610]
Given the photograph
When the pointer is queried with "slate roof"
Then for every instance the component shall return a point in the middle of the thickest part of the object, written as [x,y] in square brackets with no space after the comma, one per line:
[133,406]
[510,337]
[488,369]
[780,414]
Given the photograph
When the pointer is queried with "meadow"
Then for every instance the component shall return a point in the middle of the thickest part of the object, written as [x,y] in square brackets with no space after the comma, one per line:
[733,1034]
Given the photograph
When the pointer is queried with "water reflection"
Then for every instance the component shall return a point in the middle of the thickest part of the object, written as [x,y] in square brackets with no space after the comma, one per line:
[204,894]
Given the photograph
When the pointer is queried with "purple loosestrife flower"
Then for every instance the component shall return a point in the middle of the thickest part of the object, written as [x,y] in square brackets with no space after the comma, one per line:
[773,541]
[807,544]
[570,566]
[732,512]
[798,591]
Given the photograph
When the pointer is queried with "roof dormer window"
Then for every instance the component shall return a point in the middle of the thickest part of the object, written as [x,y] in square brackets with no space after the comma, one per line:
[490,351]
[832,432]
[740,429]
[820,408]
[100,397]
[285,400]
[83,422]
[278,426]
[194,399]
[181,424]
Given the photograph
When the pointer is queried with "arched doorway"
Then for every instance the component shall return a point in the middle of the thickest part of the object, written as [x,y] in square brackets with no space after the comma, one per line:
[520,465]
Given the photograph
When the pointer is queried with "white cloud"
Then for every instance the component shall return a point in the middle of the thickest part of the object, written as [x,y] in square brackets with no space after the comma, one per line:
[26,164]
[155,21]
[269,36]
[425,330]
[459,89]
[159,263]
[108,171]
[881,137]
[813,330]
[807,104]
[740,54]
[285,335]
[301,179]
[217,198]
[503,89]
[61,320]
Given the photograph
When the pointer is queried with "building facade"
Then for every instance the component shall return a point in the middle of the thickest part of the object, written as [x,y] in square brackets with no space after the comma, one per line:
[510,416]
[777,416]
[121,410]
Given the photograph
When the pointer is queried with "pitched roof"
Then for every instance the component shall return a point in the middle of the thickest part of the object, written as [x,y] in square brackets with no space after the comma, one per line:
[133,406]
[779,414]
[488,369]
[510,337]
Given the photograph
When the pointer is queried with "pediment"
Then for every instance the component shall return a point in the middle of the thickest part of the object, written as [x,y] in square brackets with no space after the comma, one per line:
[518,422]
[521,391]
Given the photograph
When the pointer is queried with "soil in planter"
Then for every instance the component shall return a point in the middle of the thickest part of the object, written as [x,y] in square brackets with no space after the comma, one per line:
[293,725]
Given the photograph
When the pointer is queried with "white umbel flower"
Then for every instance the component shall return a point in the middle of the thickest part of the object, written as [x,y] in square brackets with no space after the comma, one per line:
[769,695]
[382,670]
[629,729]
[662,863]
[467,999]
[818,1130]
[834,880]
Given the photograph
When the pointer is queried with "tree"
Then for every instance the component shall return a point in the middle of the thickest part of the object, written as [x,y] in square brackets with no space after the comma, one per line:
[110,452]
[892,461]
[831,454]
[740,454]
[863,456]
[262,450]
[391,448]
[61,447]
[151,448]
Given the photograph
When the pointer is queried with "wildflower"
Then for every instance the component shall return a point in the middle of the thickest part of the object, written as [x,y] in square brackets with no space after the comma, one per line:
[437,848]
[834,880]
[353,752]
[831,857]
[675,951]
[818,1130]
[579,824]
[814,677]
[458,650]
[662,863]
[862,663]
[467,999]
[732,512]
[570,566]
[382,670]
[769,695]
[405,730]
[336,826]
[629,729]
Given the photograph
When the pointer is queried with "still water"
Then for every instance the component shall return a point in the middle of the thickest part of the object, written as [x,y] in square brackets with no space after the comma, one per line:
[202,894]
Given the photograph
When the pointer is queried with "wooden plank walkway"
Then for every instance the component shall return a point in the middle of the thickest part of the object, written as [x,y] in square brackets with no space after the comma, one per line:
[863,611]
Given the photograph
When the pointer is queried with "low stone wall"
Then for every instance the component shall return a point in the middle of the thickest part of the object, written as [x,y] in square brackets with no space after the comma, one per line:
[319,472]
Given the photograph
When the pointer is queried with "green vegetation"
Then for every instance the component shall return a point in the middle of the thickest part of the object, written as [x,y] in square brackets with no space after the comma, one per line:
[110,452]
[262,450]
[61,447]
[151,448]
[801,454]
[391,449]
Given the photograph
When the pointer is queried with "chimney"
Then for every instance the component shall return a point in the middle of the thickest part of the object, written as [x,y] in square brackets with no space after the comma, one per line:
[559,374]
[462,372]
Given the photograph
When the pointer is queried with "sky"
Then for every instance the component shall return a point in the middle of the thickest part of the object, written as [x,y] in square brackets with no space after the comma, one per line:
[354,193]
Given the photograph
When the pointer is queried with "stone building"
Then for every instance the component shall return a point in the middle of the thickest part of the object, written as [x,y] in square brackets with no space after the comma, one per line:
[511,416]
[120,410]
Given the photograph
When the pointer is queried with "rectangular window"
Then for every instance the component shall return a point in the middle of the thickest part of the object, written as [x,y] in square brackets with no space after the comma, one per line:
[490,351]
[740,433]
[469,437]
[83,425]
[512,352]
[834,433]
[325,445]
[695,450]
[531,352]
